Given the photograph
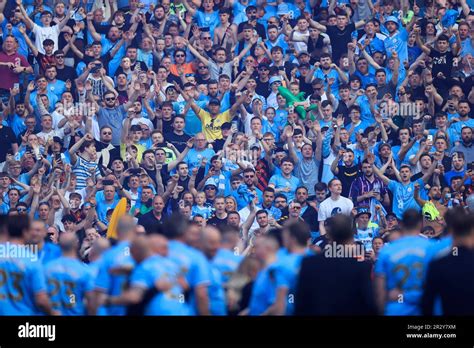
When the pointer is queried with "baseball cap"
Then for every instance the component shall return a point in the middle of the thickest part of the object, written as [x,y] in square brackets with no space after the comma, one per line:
[226,125]
[135,128]
[210,182]
[363,209]
[263,65]
[214,101]
[302,53]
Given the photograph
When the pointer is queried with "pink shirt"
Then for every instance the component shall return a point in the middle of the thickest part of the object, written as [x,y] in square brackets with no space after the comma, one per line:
[8,77]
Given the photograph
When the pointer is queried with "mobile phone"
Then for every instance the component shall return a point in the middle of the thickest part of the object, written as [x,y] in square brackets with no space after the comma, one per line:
[16,86]
[57,157]
[429,138]
[135,171]
[470,166]
[107,182]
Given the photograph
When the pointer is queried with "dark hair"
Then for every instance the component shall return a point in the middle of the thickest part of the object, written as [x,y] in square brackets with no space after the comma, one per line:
[287,159]
[300,231]
[261,211]
[281,195]
[17,225]
[320,186]
[269,189]
[340,228]
[411,219]
[458,221]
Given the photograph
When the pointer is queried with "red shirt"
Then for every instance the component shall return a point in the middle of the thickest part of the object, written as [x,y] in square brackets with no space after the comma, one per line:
[8,76]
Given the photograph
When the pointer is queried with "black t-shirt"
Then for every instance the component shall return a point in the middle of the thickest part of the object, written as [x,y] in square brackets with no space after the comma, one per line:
[347,175]
[442,62]
[7,138]
[259,28]
[310,216]
[339,39]
[149,221]
[167,128]
[66,73]
[263,88]
[179,141]
[214,220]
[201,81]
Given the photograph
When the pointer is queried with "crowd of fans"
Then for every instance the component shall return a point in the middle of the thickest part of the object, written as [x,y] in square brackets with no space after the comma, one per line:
[257,122]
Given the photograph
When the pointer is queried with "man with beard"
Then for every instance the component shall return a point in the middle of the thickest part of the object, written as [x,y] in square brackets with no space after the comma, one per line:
[465,146]
[308,161]
[368,186]
[110,43]
[328,71]
[106,152]
[112,115]
[307,213]
[432,210]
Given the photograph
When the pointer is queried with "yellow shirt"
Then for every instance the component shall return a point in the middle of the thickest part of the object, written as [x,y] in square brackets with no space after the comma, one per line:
[140,150]
[212,127]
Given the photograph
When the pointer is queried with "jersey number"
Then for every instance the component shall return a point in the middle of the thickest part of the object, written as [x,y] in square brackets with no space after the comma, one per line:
[17,293]
[68,287]
[416,269]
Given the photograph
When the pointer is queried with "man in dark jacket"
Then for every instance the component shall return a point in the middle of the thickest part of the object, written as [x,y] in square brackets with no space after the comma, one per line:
[337,281]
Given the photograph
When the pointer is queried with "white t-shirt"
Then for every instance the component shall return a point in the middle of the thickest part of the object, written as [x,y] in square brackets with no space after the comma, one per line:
[43,33]
[300,46]
[330,207]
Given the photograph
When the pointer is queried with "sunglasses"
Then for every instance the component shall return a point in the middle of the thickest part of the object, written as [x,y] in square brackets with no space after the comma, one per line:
[249,176]
[110,99]
[179,56]
[107,133]
[59,57]
[202,67]
[21,210]
[210,188]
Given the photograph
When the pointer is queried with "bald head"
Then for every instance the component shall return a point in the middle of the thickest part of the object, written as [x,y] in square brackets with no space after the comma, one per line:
[158,244]
[68,242]
[125,227]
[140,249]
[211,241]
[98,247]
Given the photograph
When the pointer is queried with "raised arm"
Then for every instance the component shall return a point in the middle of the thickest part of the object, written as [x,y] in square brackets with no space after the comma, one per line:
[420,44]
[291,146]
[196,53]
[30,44]
[379,172]
[68,15]
[90,26]
[76,146]
[24,16]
